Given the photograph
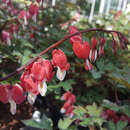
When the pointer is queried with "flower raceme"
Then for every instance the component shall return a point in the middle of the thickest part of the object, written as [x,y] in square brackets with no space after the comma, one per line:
[24,15]
[68,105]
[34,10]
[34,79]
[14,29]
[101,48]
[93,50]
[13,95]
[59,60]
[81,48]
[6,37]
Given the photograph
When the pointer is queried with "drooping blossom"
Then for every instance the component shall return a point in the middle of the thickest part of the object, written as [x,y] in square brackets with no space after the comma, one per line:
[6,37]
[14,29]
[7,2]
[40,2]
[33,10]
[13,95]
[42,71]
[110,115]
[59,60]
[82,51]
[101,48]
[114,46]
[24,15]
[68,105]
[93,50]
[29,85]
[35,77]
[81,48]
[75,38]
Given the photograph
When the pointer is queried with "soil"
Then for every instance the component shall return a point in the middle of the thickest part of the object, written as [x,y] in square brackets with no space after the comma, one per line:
[13,122]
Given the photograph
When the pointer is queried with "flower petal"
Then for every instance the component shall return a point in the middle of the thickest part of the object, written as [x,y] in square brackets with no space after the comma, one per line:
[42,88]
[25,20]
[34,18]
[88,65]
[31,98]
[60,74]
[12,107]
[62,110]
[8,41]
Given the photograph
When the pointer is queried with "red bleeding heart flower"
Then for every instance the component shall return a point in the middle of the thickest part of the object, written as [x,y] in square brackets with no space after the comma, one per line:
[13,95]
[114,46]
[7,2]
[24,15]
[66,96]
[75,38]
[35,77]
[38,1]
[6,37]
[33,10]
[32,35]
[37,70]
[4,96]
[82,50]
[112,116]
[42,71]
[68,105]
[30,85]
[59,60]
[14,29]
[101,48]
[93,50]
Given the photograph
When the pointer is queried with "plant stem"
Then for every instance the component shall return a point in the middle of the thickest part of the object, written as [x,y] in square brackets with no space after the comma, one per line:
[54,46]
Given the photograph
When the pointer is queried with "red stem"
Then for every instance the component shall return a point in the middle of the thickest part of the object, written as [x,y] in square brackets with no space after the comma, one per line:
[53,46]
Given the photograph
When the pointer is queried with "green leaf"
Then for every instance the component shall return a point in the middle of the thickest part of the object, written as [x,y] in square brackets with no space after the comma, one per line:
[86,122]
[93,110]
[111,126]
[46,123]
[121,125]
[80,112]
[64,124]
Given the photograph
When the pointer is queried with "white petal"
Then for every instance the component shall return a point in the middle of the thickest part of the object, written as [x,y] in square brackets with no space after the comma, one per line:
[15,35]
[25,20]
[95,56]
[41,3]
[34,17]
[71,115]
[62,110]
[87,62]
[12,107]
[60,74]
[31,98]
[8,41]
[90,54]
[42,88]
[36,116]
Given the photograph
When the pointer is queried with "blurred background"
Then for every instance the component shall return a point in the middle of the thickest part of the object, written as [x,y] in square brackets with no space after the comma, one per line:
[110,77]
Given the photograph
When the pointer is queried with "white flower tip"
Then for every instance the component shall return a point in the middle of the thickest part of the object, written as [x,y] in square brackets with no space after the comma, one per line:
[71,115]
[62,110]
[31,98]
[42,89]
[34,17]
[60,74]
[8,41]
[12,107]
[36,116]
[25,20]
